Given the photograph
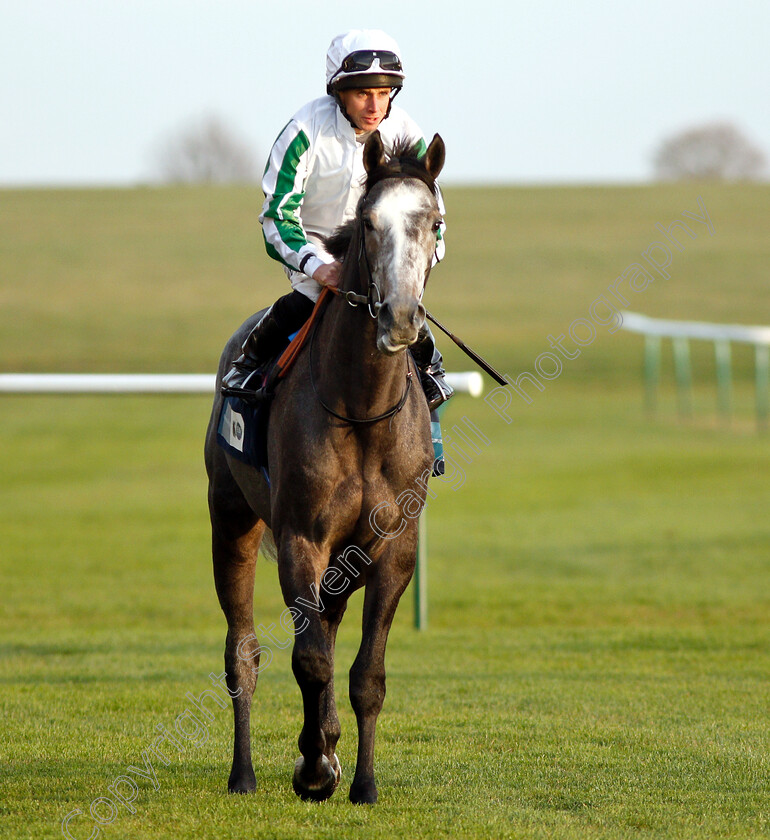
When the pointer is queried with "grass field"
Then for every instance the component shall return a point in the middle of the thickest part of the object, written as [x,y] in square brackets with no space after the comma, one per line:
[598,658]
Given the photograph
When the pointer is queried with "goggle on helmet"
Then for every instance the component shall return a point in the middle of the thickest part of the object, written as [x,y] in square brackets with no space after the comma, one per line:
[363,58]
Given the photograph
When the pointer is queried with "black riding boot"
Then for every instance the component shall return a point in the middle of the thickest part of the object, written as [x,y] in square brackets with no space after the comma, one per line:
[266,340]
[430,365]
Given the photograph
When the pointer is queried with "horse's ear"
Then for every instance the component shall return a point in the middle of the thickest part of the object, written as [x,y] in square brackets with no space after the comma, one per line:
[435,156]
[374,152]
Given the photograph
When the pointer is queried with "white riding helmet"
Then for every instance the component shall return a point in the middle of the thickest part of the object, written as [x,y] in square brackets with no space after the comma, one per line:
[363,58]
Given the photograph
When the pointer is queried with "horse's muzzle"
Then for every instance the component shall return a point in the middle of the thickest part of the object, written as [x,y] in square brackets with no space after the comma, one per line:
[398,323]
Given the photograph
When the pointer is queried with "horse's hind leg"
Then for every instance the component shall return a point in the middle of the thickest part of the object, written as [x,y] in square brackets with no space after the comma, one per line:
[235,543]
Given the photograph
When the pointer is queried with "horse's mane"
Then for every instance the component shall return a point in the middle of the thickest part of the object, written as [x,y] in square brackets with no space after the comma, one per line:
[405,161]
[338,243]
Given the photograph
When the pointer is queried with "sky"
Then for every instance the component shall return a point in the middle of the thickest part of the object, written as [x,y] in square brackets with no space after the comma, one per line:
[545,91]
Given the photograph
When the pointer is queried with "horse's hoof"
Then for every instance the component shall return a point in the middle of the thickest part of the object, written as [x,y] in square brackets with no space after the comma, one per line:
[245,783]
[316,791]
[363,793]
[337,769]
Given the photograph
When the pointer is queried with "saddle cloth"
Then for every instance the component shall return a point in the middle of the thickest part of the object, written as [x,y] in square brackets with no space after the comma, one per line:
[242,431]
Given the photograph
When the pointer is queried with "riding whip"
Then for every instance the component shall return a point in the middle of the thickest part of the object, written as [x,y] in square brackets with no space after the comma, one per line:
[484,365]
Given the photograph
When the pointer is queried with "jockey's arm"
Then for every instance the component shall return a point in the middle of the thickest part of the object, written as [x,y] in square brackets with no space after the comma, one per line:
[283,185]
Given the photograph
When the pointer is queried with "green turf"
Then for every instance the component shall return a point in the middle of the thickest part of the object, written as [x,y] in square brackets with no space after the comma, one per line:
[597,661]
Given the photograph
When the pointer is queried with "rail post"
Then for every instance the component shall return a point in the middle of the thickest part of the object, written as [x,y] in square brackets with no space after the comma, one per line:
[683,372]
[724,378]
[651,372]
[680,332]
[468,382]
[762,368]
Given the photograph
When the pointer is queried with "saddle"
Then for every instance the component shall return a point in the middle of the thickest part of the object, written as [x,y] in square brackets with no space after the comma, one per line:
[243,423]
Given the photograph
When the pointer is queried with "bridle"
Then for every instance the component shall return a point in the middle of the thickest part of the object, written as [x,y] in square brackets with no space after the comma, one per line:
[373,301]
[354,298]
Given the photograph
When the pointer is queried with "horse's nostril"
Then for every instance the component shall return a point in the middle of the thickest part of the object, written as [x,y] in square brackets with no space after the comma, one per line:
[400,319]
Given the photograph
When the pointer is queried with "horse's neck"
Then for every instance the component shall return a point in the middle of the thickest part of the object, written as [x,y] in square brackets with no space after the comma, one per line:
[352,371]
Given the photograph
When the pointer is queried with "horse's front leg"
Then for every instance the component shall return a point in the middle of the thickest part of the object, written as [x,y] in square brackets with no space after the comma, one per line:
[367,674]
[300,564]
[330,722]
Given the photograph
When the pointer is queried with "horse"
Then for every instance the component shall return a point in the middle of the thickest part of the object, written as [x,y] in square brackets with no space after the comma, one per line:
[348,444]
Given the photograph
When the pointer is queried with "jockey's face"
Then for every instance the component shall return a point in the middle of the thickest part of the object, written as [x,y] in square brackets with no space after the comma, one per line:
[366,107]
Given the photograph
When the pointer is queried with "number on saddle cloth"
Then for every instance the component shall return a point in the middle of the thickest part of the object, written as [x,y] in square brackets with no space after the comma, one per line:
[242,431]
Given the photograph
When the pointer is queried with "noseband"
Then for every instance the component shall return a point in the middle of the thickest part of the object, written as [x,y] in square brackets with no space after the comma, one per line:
[373,305]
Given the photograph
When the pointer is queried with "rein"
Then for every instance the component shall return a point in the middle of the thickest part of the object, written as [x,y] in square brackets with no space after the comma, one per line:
[353,298]
[373,305]
[357,421]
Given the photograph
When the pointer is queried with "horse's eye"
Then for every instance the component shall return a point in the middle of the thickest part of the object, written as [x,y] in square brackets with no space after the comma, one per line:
[368,224]
[437,226]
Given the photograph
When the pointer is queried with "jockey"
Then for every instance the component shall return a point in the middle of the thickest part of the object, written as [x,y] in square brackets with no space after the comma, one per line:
[312,184]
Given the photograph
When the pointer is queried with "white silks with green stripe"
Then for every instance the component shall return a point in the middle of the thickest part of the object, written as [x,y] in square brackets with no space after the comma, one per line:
[312,183]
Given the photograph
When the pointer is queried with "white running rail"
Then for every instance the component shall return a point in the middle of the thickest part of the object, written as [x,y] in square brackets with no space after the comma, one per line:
[469,382]
[680,333]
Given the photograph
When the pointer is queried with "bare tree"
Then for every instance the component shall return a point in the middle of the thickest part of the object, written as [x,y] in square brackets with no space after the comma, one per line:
[715,151]
[205,151]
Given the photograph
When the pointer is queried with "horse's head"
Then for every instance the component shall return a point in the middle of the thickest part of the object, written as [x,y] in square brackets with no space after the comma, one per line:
[400,221]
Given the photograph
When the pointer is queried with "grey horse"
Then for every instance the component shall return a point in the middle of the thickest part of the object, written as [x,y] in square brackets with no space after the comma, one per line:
[349,451]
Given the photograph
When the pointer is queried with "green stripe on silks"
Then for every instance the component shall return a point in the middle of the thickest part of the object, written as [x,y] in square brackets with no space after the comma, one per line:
[285,217]
[287,174]
[289,228]
[272,252]
[422,147]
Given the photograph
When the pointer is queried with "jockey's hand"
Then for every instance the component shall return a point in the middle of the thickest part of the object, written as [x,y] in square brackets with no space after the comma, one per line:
[328,274]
